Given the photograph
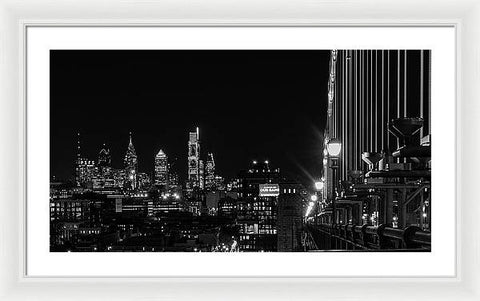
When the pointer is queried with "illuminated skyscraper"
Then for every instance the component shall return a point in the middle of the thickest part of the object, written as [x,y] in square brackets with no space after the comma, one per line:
[84,168]
[103,176]
[173,180]
[161,169]
[194,160]
[131,165]
[143,180]
[78,161]
[201,168]
[210,172]
[104,157]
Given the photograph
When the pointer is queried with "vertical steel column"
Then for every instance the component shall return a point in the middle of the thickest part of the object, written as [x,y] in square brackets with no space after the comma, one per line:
[405,89]
[398,86]
[335,98]
[362,102]
[371,101]
[344,96]
[345,117]
[421,90]
[398,94]
[405,84]
[429,92]
[367,102]
[383,100]
[350,134]
[403,209]
[389,205]
[376,101]
[388,97]
[355,114]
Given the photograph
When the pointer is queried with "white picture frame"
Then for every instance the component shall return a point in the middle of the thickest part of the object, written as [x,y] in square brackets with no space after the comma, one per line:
[14,18]
[39,262]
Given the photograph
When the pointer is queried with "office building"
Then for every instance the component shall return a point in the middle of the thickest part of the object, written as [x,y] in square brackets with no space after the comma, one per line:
[290,217]
[161,170]
[104,157]
[131,165]
[210,183]
[257,207]
[194,161]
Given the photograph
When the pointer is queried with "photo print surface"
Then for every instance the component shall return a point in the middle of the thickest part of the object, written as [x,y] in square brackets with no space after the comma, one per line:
[240,150]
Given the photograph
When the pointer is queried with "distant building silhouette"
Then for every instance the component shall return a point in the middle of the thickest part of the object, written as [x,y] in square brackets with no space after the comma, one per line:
[161,169]
[194,162]
[131,164]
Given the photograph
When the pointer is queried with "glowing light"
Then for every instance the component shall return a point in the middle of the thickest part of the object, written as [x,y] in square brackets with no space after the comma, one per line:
[309,208]
[266,161]
[424,215]
[254,162]
[334,147]
[314,198]
[308,211]
[319,185]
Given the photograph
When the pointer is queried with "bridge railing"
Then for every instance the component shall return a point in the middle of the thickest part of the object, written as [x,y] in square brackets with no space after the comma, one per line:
[381,238]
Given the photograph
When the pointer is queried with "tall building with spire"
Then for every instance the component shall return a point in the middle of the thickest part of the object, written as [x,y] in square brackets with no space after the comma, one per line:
[84,168]
[161,169]
[131,165]
[78,162]
[194,160]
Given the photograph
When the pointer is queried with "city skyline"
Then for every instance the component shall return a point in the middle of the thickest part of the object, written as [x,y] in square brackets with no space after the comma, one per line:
[259,171]
[110,105]
[203,171]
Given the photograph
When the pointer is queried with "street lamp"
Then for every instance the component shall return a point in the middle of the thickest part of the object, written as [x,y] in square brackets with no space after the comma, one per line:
[334,147]
[319,185]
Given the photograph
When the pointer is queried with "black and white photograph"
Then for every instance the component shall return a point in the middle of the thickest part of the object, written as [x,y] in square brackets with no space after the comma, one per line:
[244,150]
[240,150]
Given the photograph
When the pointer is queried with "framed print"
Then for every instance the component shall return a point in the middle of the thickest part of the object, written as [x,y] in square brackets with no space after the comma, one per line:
[239,157]
[173,194]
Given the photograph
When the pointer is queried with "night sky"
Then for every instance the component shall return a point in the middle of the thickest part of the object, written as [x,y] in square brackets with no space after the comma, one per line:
[249,104]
